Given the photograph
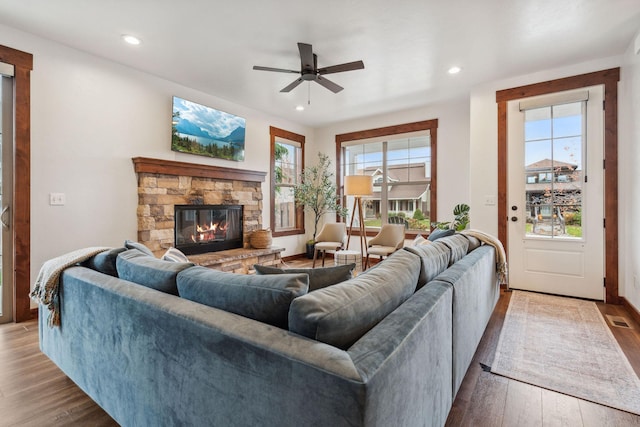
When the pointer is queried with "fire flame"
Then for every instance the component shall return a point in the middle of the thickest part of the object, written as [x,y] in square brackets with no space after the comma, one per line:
[210,232]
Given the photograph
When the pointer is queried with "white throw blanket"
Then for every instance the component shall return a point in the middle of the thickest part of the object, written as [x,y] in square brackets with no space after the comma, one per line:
[45,290]
[501,256]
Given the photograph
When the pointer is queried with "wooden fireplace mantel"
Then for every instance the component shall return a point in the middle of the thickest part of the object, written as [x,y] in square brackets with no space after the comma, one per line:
[171,167]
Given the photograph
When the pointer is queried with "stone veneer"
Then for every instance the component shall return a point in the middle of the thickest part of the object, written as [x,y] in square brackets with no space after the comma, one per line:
[163,184]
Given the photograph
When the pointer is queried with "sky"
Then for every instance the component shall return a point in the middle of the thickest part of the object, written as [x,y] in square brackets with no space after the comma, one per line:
[559,138]
[215,122]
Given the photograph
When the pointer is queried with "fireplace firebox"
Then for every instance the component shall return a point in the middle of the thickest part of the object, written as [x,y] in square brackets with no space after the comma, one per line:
[208,228]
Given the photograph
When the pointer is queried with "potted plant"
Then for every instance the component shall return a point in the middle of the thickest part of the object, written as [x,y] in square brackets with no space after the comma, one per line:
[317,193]
[460,219]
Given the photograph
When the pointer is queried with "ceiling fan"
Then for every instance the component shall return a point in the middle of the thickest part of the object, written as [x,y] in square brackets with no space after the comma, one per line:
[309,70]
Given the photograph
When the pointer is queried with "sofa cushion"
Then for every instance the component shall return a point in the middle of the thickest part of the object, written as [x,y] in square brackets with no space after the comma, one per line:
[140,268]
[474,242]
[340,314]
[439,233]
[318,277]
[263,298]
[105,262]
[458,245]
[434,259]
[130,244]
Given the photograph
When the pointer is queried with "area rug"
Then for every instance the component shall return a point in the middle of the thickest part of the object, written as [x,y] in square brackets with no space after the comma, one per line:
[564,345]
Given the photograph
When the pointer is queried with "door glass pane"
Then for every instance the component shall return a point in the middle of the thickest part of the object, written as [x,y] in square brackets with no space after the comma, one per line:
[554,139]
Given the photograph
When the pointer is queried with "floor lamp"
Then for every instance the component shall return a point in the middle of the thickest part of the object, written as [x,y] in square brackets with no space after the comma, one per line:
[358,186]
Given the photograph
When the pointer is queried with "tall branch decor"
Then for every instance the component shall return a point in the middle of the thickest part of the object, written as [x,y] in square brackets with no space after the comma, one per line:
[317,191]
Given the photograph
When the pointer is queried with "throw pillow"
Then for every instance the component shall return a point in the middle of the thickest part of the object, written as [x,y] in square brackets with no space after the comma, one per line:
[140,268]
[130,244]
[105,262]
[266,299]
[439,233]
[175,255]
[318,277]
[419,240]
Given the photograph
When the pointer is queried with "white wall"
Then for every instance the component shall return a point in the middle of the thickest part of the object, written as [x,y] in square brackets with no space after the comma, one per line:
[453,146]
[89,117]
[629,156]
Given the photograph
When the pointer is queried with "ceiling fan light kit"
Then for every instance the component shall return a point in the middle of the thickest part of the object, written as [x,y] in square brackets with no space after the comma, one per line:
[309,70]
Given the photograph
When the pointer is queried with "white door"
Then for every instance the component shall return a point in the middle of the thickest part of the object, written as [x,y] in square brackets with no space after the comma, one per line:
[555,193]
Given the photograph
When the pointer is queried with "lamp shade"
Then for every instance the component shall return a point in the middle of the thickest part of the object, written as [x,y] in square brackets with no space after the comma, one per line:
[358,185]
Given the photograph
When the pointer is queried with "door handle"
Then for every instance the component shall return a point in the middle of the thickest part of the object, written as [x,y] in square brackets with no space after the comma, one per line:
[5,217]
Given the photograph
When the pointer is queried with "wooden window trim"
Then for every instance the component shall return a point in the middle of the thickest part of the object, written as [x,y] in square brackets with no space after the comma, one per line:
[430,125]
[609,79]
[274,133]
[23,64]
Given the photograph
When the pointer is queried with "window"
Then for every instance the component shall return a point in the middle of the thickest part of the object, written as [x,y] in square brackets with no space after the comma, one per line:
[287,154]
[554,136]
[401,161]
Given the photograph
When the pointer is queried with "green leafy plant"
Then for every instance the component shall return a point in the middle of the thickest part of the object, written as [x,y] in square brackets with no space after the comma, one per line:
[317,192]
[460,219]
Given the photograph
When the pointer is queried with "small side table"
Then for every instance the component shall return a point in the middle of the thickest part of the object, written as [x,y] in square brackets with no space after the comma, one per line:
[347,257]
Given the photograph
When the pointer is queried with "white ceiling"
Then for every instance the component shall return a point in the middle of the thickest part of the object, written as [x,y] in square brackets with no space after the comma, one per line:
[407,45]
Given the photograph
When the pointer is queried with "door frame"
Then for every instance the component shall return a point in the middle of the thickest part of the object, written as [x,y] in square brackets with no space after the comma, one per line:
[23,64]
[609,79]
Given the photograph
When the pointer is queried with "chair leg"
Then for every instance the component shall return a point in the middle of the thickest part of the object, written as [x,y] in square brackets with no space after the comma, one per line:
[324,254]
[315,254]
[366,263]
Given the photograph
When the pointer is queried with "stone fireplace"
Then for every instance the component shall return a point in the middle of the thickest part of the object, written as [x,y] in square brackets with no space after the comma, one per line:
[164,184]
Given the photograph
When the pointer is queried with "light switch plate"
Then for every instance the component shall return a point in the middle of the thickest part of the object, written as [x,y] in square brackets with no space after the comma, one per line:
[57,199]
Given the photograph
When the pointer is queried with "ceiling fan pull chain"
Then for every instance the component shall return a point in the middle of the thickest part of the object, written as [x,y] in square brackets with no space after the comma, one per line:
[309,93]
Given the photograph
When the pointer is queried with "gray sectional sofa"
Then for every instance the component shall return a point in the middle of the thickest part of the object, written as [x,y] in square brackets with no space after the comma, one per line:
[172,344]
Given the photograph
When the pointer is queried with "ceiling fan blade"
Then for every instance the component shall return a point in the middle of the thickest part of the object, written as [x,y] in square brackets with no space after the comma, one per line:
[329,84]
[349,66]
[279,70]
[306,55]
[292,85]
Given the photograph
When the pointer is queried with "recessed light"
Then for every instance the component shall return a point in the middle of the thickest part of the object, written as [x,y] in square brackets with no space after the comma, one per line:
[299,108]
[454,70]
[131,39]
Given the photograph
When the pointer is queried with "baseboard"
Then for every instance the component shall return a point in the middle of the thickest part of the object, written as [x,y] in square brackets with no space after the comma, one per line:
[631,309]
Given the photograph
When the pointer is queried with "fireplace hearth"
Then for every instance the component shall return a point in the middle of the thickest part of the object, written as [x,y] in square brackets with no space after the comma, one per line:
[208,228]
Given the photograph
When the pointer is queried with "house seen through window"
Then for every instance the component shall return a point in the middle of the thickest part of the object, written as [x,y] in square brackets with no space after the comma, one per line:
[403,175]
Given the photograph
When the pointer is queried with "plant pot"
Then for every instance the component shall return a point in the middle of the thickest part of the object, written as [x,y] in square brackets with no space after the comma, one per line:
[310,248]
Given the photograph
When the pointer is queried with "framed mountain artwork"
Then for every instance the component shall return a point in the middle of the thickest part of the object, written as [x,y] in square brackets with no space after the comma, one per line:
[202,130]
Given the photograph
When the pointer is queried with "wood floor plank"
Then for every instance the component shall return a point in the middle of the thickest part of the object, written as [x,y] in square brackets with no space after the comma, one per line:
[523,407]
[559,410]
[594,415]
[488,403]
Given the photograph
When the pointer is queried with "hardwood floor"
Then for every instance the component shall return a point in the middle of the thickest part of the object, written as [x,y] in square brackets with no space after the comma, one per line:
[34,392]
[486,399]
